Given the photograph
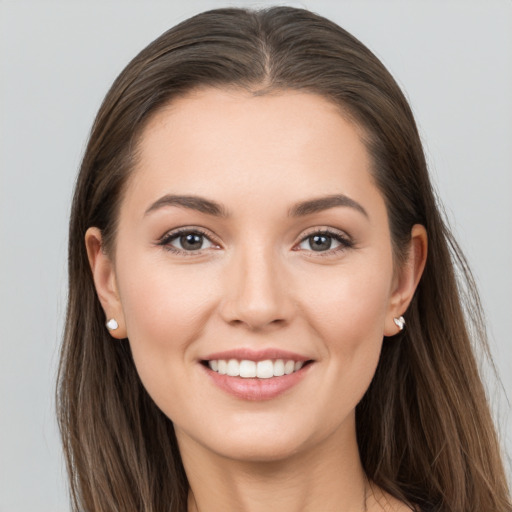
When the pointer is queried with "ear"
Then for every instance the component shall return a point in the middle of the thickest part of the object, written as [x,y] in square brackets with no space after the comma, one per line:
[103,273]
[407,278]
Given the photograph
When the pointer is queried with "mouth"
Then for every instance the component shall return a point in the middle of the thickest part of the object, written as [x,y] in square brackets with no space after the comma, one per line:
[256,375]
[250,369]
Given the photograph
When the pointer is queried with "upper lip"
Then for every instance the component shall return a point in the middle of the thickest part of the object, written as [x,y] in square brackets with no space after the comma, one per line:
[256,355]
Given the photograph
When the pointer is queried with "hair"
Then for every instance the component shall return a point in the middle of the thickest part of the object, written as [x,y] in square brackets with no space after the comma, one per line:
[424,428]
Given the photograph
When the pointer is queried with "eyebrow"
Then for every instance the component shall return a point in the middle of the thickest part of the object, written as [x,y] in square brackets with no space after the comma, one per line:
[324,203]
[191,202]
[210,207]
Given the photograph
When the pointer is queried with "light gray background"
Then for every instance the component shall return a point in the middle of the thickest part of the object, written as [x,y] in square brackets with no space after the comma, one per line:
[454,60]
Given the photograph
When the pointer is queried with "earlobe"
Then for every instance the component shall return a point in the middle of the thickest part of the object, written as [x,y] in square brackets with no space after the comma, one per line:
[104,277]
[407,280]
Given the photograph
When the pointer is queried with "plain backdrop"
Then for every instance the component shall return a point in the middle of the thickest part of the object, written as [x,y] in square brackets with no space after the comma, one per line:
[453,59]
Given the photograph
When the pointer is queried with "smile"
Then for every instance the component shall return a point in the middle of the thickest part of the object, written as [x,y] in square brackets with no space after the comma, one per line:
[248,369]
[261,374]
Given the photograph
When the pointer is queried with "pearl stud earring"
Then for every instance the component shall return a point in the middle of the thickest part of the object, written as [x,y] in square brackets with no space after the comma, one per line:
[112,324]
[400,322]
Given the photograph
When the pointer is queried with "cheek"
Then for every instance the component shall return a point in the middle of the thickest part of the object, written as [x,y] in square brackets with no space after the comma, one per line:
[350,319]
[161,298]
[165,311]
[350,302]
[347,309]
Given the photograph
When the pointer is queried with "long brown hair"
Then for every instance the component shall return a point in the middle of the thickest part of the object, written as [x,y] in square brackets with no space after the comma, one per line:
[424,428]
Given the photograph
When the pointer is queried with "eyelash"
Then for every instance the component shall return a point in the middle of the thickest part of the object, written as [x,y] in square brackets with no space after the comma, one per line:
[344,240]
[165,242]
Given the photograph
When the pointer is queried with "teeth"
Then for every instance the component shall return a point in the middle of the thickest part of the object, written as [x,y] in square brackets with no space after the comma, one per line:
[265,369]
[233,368]
[279,368]
[289,366]
[249,369]
[223,367]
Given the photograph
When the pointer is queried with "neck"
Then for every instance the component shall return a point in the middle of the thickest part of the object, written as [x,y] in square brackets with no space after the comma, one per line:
[326,477]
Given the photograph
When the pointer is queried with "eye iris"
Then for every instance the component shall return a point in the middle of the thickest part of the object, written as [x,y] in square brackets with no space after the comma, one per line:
[191,241]
[320,242]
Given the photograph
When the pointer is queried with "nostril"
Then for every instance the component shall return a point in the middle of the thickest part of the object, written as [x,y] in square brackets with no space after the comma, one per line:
[257,302]
[257,323]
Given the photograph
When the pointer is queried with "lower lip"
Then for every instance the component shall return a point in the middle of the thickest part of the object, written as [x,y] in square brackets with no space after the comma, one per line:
[257,389]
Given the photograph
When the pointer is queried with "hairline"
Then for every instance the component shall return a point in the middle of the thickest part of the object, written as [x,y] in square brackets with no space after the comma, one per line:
[256,89]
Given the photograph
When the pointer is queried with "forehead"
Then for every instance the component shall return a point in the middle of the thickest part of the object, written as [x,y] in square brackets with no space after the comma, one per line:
[229,142]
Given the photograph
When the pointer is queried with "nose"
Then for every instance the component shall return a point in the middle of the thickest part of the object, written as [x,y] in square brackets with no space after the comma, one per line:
[256,294]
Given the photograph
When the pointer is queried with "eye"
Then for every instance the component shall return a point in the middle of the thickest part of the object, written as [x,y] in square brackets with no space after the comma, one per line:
[186,241]
[324,241]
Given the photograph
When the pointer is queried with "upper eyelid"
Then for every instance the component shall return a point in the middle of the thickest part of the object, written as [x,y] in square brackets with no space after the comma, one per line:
[325,230]
[344,239]
[173,233]
[189,229]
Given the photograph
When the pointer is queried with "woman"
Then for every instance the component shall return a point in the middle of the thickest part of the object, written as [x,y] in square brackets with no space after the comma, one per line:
[263,311]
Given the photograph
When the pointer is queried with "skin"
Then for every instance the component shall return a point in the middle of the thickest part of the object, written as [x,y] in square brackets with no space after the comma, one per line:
[257,283]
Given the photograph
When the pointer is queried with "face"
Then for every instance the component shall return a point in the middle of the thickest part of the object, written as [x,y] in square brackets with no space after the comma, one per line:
[252,240]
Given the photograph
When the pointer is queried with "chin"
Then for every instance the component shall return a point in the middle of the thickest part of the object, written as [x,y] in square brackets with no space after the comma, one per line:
[260,439]
[259,450]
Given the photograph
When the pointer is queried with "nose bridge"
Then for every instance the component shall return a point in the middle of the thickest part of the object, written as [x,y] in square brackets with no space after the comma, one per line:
[256,295]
